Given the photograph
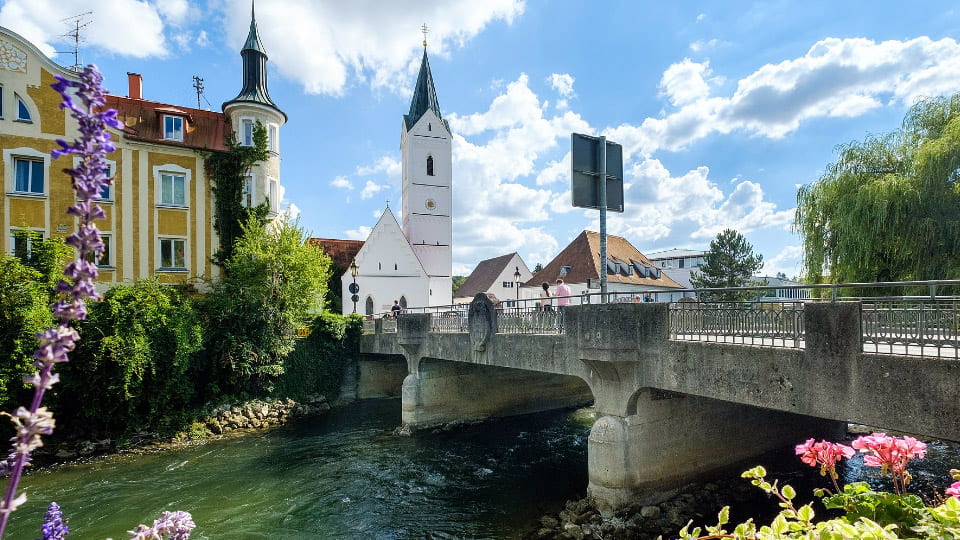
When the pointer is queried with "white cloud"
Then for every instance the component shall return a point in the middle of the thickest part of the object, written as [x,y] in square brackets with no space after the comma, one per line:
[685,82]
[701,44]
[562,83]
[126,27]
[327,46]
[701,17]
[662,208]
[360,233]
[174,11]
[789,261]
[291,212]
[370,189]
[202,39]
[341,182]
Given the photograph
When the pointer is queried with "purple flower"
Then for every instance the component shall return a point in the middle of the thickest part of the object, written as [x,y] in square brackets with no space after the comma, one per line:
[85,99]
[53,527]
[177,524]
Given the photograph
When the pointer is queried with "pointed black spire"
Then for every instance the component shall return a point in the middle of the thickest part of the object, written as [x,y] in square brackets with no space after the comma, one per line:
[254,69]
[424,95]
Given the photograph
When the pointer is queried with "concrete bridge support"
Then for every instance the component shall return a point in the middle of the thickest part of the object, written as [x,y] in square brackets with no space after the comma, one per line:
[673,438]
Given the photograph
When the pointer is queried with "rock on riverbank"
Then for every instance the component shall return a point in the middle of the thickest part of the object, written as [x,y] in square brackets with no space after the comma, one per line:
[259,414]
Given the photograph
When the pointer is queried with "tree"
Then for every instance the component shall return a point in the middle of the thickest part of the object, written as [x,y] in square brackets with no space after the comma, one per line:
[457,282]
[889,208]
[729,263]
[273,283]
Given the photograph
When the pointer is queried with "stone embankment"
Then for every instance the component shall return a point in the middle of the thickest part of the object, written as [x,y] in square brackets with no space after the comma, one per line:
[581,520]
[259,414]
[251,415]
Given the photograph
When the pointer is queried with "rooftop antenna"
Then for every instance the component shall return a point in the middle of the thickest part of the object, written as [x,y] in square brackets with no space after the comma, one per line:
[76,23]
[198,86]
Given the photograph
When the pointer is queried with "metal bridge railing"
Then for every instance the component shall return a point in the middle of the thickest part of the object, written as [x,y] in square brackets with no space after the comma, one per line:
[771,324]
[928,327]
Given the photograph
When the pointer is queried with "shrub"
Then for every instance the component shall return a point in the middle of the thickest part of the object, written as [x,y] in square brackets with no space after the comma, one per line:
[317,362]
[137,365]
[24,312]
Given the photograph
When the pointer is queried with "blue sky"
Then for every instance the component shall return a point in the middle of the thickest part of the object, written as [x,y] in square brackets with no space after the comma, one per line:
[723,108]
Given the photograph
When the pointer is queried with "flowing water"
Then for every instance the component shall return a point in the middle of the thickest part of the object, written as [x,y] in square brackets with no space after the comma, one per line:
[343,475]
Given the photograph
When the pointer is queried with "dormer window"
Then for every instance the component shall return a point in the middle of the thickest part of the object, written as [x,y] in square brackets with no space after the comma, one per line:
[23,113]
[173,128]
[429,165]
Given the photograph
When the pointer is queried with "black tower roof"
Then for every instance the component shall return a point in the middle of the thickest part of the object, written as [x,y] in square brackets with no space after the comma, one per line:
[424,96]
[254,70]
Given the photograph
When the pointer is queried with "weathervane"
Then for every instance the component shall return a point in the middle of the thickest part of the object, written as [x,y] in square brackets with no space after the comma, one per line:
[425,31]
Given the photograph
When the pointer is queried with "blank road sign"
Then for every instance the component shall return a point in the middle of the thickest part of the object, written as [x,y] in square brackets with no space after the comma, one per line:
[585,173]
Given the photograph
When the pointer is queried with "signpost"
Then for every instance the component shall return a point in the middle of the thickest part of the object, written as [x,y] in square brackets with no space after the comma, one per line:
[596,181]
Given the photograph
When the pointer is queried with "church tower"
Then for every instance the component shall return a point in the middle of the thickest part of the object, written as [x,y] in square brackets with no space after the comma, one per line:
[425,146]
[253,104]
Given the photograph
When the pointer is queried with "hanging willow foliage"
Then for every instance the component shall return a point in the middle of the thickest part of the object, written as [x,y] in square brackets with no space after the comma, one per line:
[889,208]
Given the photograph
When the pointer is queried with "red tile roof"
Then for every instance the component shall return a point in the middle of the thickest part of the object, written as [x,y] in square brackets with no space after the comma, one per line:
[582,255]
[341,252]
[204,130]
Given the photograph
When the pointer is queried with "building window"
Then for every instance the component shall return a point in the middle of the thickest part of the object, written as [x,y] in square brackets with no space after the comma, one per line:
[23,113]
[1,101]
[274,194]
[507,284]
[246,197]
[173,128]
[368,308]
[173,189]
[272,138]
[429,165]
[403,302]
[246,132]
[22,242]
[29,175]
[680,263]
[105,190]
[173,253]
[102,257]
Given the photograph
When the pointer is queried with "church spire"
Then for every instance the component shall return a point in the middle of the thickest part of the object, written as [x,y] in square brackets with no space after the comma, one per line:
[254,69]
[424,94]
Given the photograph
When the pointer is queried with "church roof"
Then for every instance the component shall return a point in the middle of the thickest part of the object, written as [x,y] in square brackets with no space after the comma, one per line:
[580,261]
[484,276]
[254,70]
[424,96]
[341,252]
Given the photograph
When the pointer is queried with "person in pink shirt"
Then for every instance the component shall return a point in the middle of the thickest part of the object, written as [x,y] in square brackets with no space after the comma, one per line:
[562,294]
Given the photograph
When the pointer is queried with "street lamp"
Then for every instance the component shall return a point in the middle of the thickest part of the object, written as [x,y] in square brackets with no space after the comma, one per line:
[354,288]
[516,278]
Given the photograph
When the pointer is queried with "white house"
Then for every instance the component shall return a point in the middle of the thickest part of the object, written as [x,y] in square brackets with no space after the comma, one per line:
[496,276]
[413,264]
[679,263]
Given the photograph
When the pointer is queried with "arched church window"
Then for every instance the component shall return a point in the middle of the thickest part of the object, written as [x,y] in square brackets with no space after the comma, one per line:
[369,307]
[403,302]
[394,266]
[429,165]
[429,126]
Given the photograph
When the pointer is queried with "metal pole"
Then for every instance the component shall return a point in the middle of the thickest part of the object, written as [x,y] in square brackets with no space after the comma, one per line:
[354,295]
[603,219]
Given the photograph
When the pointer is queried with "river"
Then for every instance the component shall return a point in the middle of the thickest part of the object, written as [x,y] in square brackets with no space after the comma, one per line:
[343,475]
[346,475]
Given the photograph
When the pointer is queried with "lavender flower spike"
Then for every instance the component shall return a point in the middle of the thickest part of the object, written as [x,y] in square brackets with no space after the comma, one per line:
[88,180]
[53,526]
[177,524]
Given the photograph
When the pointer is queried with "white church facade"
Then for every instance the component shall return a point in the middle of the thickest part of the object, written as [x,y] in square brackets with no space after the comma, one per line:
[412,264]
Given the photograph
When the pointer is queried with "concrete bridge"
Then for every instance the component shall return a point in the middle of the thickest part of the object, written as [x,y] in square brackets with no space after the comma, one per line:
[670,406]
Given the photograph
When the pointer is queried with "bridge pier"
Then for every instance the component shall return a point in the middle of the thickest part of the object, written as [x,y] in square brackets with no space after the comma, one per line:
[672,439]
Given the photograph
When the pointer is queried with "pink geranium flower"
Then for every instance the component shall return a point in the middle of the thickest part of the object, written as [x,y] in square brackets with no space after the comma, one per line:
[891,455]
[954,490]
[826,454]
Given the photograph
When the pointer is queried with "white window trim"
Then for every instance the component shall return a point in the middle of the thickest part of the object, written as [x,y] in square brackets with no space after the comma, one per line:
[17,100]
[186,254]
[108,263]
[241,136]
[163,127]
[273,140]
[113,172]
[157,188]
[247,191]
[11,230]
[2,101]
[10,182]
[274,204]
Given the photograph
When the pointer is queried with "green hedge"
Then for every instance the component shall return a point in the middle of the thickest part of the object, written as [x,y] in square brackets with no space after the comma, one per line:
[317,362]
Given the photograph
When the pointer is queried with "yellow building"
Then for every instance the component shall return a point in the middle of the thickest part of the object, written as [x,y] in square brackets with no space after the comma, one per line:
[159,208]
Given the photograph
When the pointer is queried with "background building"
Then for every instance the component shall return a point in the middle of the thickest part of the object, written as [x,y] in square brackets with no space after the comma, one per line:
[495,276]
[159,208]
